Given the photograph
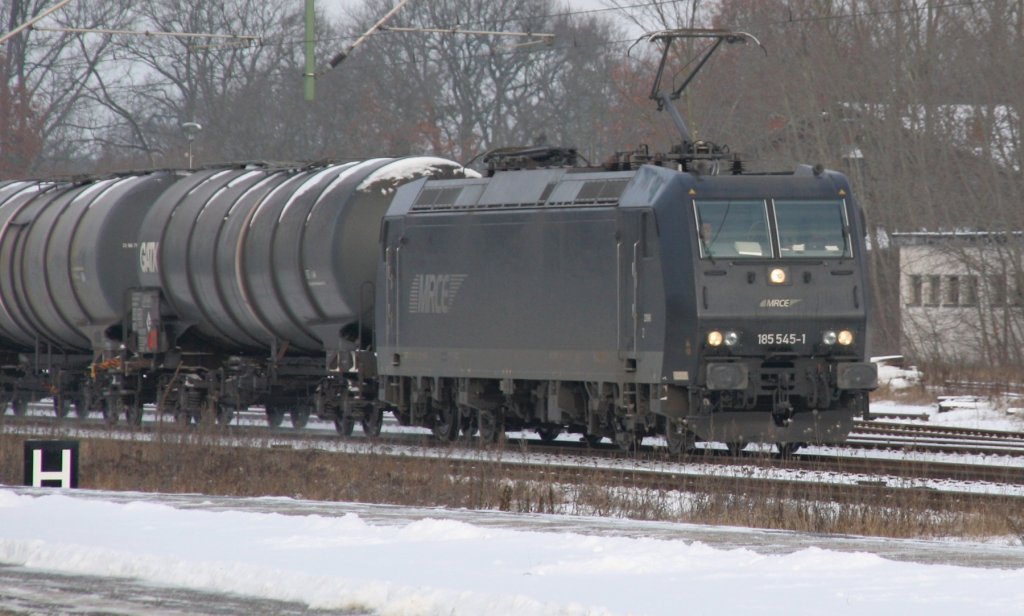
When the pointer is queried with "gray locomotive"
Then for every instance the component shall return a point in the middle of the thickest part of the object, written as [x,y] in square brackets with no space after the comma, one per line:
[627,303]
[671,295]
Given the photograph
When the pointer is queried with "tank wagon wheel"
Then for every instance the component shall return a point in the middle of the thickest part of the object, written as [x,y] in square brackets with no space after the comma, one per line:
[225,413]
[188,417]
[786,450]
[133,412]
[111,407]
[492,425]
[736,448]
[592,440]
[19,404]
[680,440]
[61,405]
[275,417]
[447,421]
[82,405]
[548,432]
[300,417]
[372,422]
[344,423]
[628,440]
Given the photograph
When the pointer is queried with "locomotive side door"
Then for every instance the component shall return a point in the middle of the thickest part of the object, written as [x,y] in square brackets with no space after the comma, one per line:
[629,251]
[640,296]
[391,248]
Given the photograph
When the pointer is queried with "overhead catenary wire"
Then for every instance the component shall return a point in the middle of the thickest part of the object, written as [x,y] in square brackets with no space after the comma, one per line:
[233,37]
[789,19]
[28,24]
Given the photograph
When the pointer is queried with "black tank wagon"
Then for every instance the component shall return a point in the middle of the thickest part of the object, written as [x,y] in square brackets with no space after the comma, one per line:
[202,292]
[68,255]
[626,304]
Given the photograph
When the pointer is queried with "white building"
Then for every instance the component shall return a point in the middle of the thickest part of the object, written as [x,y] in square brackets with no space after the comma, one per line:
[962,297]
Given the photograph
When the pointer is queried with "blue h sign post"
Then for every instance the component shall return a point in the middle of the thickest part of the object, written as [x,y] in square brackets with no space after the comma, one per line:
[51,464]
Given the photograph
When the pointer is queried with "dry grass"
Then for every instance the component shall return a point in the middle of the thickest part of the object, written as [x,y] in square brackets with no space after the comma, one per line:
[194,464]
[911,396]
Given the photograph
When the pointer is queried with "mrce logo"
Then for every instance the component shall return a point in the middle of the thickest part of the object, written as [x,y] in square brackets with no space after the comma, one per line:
[434,293]
[779,303]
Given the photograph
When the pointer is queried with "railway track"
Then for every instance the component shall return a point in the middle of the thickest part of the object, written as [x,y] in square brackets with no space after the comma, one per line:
[808,475]
[937,439]
[875,434]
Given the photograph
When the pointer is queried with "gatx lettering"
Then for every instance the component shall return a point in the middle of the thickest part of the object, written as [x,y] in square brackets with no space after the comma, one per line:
[434,293]
[147,257]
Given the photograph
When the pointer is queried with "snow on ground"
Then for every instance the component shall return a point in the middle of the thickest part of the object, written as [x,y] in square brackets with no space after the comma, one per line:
[343,557]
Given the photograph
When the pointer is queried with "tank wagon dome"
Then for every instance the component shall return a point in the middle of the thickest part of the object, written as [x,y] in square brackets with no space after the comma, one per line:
[66,251]
[255,257]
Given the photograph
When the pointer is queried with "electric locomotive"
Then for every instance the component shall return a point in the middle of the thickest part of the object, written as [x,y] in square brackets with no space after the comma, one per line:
[624,304]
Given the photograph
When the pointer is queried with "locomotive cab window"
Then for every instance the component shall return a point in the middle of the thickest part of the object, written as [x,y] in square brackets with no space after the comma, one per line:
[812,229]
[734,229]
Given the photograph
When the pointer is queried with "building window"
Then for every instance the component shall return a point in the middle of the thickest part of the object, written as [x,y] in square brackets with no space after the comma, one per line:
[968,290]
[914,290]
[934,291]
[997,290]
[1017,299]
[952,297]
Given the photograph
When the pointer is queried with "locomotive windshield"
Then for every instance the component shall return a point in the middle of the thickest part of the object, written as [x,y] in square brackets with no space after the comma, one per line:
[734,229]
[812,229]
[738,229]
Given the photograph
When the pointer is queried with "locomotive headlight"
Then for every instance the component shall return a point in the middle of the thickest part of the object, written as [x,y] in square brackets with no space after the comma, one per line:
[731,338]
[845,337]
[829,338]
[715,338]
[777,276]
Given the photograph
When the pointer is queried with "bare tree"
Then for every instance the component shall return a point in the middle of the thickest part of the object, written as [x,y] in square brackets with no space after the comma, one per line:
[162,83]
[46,75]
[460,95]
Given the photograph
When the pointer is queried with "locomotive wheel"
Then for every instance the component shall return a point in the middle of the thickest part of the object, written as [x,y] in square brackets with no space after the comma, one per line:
[344,424]
[492,425]
[786,450]
[372,422]
[548,432]
[447,421]
[300,417]
[679,439]
[736,448]
[275,417]
[61,406]
[469,423]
